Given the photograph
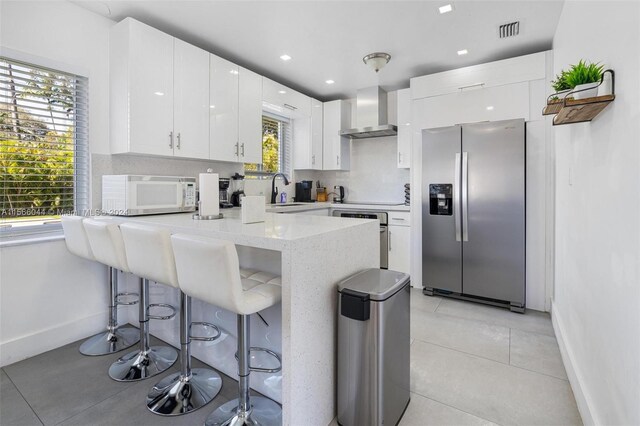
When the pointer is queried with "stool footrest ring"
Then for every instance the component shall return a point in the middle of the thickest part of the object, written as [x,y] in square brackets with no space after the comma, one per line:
[162,317]
[269,352]
[127,294]
[205,324]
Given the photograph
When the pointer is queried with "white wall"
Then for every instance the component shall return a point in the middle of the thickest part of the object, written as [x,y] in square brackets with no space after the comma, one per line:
[596,308]
[42,283]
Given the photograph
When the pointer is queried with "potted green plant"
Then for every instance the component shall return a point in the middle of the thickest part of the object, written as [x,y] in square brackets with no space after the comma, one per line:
[560,84]
[584,75]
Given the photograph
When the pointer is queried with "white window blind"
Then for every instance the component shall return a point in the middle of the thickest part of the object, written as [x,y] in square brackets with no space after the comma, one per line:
[276,148]
[43,145]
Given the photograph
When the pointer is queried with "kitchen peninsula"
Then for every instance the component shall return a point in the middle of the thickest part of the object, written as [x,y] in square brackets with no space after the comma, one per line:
[312,254]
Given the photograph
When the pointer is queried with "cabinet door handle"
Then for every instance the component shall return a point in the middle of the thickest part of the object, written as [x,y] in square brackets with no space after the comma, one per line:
[242,146]
[337,160]
[313,159]
[389,240]
[178,144]
[237,149]
[171,140]
[399,157]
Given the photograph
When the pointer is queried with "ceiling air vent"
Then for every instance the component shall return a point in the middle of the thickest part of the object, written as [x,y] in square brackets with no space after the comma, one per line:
[511,29]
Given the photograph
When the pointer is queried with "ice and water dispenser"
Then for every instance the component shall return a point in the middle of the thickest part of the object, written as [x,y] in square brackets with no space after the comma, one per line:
[441,199]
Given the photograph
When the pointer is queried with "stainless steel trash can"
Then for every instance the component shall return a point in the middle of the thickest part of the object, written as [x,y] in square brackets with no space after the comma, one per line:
[373,348]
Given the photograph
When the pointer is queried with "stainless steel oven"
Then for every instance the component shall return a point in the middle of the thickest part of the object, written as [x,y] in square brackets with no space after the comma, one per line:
[384,230]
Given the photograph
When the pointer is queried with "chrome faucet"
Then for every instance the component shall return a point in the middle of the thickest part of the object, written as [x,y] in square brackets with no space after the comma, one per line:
[274,190]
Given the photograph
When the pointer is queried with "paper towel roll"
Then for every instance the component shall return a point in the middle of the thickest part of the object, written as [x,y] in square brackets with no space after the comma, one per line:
[209,194]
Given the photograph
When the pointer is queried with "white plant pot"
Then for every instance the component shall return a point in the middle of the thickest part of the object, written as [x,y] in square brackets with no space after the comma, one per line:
[593,90]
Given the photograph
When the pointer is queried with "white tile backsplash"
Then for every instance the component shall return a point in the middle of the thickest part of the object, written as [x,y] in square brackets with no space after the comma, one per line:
[374,175]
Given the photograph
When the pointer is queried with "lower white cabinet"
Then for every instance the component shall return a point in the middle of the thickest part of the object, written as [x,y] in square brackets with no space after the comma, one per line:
[399,243]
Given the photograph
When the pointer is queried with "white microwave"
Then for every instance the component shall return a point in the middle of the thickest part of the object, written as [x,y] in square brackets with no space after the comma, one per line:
[134,195]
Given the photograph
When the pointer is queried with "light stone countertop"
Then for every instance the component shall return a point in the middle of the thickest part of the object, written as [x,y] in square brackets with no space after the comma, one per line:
[273,233]
[300,207]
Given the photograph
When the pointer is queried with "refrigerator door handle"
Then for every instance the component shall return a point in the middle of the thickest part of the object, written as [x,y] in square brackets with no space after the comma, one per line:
[456,197]
[465,197]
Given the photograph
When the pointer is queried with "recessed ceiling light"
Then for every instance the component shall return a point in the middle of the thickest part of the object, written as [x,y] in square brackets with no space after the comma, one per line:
[463,52]
[329,81]
[212,106]
[285,57]
[446,8]
[234,72]
[158,93]
[490,108]
[282,92]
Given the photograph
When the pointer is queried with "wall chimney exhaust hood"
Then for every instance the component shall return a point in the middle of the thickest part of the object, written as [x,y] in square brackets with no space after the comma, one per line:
[371,115]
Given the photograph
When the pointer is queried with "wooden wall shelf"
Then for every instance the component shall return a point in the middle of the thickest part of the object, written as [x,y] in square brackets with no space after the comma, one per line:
[568,110]
[581,110]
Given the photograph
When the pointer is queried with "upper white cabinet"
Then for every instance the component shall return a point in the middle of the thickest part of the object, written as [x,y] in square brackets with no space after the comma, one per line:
[498,73]
[336,149]
[404,128]
[154,107]
[489,104]
[190,101]
[223,109]
[235,112]
[284,101]
[250,116]
[307,139]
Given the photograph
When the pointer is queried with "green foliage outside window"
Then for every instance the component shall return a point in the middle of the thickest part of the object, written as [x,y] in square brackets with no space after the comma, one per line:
[270,148]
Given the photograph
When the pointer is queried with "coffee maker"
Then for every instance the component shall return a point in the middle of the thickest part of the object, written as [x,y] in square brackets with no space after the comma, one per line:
[223,186]
[238,189]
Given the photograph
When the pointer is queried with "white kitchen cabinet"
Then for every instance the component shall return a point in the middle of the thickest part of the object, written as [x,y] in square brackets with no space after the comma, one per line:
[404,128]
[399,243]
[497,73]
[284,101]
[235,111]
[485,104]
[223,109]
[307,139]
[336,150]
[190,101]
[250,116]
[156,108]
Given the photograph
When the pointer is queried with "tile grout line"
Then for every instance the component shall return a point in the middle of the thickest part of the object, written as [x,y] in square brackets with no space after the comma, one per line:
[454,407]
[23,397]
[492,360]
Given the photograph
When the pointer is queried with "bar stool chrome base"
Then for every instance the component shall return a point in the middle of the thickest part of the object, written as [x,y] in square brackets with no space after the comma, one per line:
[138,365]
[263,412]
[108,342]
[177,394]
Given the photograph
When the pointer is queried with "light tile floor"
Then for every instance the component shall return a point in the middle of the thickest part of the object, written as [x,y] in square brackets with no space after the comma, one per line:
[475,364]
[470,365]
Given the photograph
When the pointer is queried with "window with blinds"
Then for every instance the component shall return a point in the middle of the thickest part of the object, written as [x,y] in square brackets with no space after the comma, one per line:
[276,148]
[43,145]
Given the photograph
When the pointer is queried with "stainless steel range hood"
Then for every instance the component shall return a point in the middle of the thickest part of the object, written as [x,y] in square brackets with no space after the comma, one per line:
[371,115]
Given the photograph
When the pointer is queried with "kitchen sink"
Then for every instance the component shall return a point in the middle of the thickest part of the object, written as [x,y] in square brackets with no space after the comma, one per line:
[287,205]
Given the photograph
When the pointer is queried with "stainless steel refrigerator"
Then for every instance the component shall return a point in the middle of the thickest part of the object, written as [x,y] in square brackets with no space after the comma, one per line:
[473,212]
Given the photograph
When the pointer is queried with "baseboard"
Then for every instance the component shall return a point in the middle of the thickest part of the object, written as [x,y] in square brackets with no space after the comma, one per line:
[573,371]
[51,338]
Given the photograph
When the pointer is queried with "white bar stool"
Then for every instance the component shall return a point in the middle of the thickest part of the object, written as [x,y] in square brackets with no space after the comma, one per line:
[108,247]
[150,255]
[208,269]
[115,338]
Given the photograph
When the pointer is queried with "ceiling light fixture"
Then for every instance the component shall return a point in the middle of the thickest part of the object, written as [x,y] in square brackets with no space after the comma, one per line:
[158,93]
[463,52]
[282,92]
[234,72]
[329,81]
[285,57]
[445,9]
[377,60]
[490,108]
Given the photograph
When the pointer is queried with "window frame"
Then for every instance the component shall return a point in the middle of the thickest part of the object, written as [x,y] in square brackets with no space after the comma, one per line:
[50,228]
[286,150]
